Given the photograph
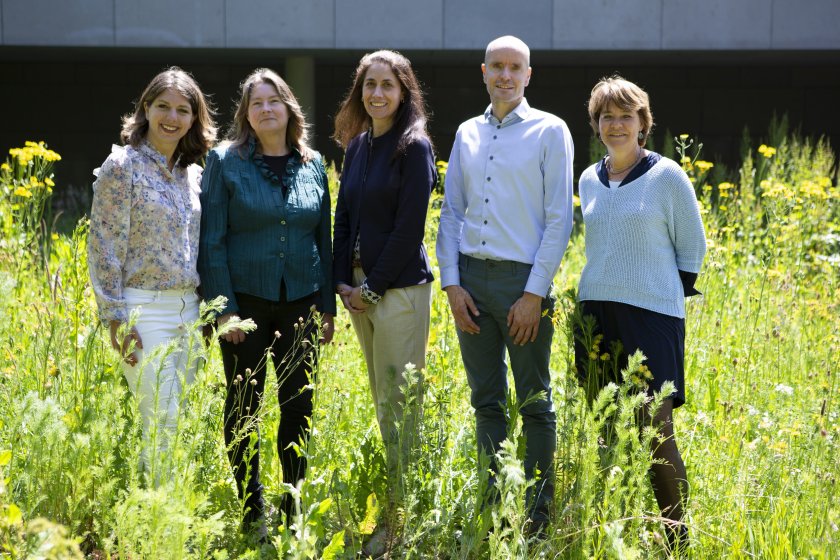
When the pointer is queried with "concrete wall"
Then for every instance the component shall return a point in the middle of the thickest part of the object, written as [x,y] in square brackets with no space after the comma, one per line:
[430,24]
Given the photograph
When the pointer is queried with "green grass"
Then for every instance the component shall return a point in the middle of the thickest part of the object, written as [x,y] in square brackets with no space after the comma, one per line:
[759,433]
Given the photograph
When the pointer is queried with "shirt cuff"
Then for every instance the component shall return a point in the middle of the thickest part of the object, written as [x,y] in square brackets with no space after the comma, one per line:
[688,279]
[450,276]
[538,285]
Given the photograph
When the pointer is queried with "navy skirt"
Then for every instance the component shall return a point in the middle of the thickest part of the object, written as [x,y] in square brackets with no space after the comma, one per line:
[661,338]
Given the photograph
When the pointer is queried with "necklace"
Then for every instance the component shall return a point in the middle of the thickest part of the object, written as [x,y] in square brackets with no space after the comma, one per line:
[612,171]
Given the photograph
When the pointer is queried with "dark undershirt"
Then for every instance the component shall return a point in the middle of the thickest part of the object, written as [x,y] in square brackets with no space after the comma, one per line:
[277,164]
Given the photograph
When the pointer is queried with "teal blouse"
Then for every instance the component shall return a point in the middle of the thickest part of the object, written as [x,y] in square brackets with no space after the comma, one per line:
[252,237]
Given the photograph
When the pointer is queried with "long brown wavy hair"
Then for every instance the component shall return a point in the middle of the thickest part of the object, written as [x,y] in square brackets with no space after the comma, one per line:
[410,120]
[201,135]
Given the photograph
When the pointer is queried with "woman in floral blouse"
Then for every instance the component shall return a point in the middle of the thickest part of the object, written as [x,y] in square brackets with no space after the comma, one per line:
[265,246]
[143,245]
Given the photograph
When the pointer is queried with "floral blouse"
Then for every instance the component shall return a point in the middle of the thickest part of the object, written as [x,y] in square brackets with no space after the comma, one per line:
[144,227]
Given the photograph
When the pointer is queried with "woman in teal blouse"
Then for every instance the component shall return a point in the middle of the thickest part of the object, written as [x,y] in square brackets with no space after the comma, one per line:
[265,246]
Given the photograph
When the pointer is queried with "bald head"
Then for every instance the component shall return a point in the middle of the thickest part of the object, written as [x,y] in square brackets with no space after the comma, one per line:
[508,42]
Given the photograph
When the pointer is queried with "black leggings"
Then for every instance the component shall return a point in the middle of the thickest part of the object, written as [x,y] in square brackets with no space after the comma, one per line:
[245,366]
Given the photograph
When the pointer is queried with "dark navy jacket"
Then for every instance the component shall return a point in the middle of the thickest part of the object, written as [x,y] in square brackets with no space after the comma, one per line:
[384,200]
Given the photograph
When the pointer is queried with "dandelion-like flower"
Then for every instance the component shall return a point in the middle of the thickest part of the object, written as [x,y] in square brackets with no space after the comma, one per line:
[704,166]
[767,151]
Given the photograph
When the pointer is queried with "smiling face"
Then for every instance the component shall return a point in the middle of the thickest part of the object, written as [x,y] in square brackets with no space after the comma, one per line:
[506,74]
[619,129]
[170,117]
[267,114]
[381,96]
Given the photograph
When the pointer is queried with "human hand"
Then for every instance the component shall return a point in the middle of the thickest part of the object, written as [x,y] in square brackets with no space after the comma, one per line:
[524,318]
[356,299]
[122,346]
[234,335]
[344,291]
[463,309]
[327,328]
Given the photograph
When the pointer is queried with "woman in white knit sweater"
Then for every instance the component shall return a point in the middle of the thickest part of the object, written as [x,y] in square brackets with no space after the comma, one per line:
[645,244]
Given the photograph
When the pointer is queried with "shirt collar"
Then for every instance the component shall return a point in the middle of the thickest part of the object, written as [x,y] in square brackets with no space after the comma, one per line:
[151,152]
[519,113]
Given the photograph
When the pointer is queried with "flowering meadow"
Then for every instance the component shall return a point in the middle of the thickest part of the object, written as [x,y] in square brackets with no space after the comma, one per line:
[760,432]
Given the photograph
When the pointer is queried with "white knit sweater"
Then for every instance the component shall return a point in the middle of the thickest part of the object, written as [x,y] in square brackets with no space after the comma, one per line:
[639,236]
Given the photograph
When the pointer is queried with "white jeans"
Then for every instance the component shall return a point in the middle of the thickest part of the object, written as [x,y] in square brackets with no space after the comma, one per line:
[167,362]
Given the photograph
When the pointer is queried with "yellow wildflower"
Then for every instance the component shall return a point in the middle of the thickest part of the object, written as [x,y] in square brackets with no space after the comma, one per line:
[685,159]
[683,136]
[704,166]
[576,200]
[593,356]
[22,191]
[767,151]
[49,182]
[5,167]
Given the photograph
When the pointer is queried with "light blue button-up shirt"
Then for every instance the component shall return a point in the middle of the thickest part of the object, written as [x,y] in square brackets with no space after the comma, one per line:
[508,194]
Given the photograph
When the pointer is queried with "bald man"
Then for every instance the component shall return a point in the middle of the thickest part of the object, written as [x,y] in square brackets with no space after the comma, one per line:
[504,226]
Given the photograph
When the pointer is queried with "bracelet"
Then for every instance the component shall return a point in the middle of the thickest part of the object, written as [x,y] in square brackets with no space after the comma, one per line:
[368,296]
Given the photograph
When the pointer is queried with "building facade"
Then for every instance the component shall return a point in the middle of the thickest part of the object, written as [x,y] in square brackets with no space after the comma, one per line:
[69,70]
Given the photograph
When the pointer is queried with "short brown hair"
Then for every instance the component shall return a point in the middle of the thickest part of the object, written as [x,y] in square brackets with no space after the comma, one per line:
[297,130]
[625,95]
[201,135]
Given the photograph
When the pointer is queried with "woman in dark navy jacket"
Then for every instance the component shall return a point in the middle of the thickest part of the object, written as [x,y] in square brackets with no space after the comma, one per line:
[265,246]
[382,271]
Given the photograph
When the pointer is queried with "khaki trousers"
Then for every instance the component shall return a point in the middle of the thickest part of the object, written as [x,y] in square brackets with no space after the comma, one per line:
[393,333]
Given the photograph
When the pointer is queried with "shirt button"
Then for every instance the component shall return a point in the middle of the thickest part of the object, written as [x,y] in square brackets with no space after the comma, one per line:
[491,158]
[488,179]
[494,137]
[486,200]
[282,239]
[485,222]
[484,243]
[282,222]
[282,255]
[498,126]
